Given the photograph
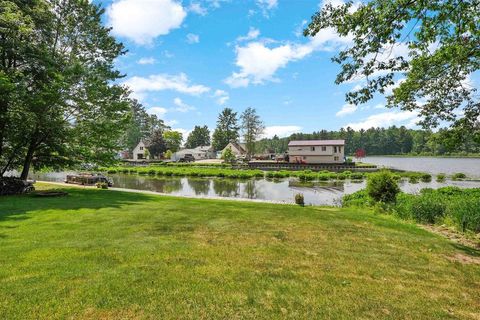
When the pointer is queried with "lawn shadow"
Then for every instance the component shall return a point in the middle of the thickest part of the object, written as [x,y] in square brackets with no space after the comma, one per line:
[20,207]
[467,250]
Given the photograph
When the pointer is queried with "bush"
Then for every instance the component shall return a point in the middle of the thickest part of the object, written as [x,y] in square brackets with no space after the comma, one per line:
[102,185]
[341,176]
[459,176]
[413,179]
[441,177]
[300,199]
[382,187]
[356,176]
[465,213]
[426,177]
[428,207]
[357,199]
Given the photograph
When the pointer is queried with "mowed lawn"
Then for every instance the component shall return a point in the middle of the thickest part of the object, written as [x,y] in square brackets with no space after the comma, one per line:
[101,254]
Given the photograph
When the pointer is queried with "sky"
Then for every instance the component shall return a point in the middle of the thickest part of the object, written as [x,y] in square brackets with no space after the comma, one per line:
[187,60]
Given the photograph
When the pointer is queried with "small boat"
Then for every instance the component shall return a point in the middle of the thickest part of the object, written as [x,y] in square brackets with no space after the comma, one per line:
[88,179]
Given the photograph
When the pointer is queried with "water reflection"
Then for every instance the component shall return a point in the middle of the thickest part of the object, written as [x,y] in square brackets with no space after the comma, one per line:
[199,185]
[280,190]
[226,187]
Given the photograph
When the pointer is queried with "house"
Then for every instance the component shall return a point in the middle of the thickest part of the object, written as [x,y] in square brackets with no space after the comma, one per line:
[316,151]
[238,149]
[199,153]
[140,152]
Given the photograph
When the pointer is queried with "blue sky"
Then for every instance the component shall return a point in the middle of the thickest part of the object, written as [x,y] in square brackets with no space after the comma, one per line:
[189,59]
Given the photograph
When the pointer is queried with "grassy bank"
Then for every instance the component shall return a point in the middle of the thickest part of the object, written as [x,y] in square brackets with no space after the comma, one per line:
[100,254]
[451,206]
[305,175]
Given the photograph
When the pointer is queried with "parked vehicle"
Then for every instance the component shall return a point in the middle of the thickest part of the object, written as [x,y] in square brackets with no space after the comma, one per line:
[187,158]
[89,179]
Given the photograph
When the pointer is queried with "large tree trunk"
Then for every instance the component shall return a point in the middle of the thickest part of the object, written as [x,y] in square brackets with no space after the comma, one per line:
[29,156]
[28,160]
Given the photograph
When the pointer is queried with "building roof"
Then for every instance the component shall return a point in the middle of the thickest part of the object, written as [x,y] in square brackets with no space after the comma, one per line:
[316,143]
[239,146]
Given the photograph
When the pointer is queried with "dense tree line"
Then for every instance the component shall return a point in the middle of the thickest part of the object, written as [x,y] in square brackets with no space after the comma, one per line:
[385,141]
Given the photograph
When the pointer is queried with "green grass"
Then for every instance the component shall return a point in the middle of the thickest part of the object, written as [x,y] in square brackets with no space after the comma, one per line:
[102,254]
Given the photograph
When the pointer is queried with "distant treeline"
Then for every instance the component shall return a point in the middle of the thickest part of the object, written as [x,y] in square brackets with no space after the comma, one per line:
[386,141]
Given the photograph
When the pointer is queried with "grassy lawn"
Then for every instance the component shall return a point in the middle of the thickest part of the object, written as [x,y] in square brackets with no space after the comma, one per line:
[100,254]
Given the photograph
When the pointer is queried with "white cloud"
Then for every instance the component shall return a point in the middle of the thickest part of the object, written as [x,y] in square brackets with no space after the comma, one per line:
[158,111]
[193,38]
[222,96]
[197,8]
[251,35]
[159,82]
[259,63]
[386,119]
[346,109]
[182,106]
[266,5]
[143,20]
[280,131]
[149,60]
[171,123]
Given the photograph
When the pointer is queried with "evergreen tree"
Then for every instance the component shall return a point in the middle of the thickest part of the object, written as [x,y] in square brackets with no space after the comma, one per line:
[227,129]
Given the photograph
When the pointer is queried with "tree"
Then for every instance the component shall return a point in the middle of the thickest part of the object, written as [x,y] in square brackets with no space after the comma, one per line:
[156,144]
[168,154]
[252,128]
[227,129]
[173,140]
[382,187]
[200,136]
[65,106]
[228,156]
[434,44]
[140,126]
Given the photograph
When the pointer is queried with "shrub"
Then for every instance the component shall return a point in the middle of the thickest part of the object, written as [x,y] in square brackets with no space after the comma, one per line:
[441,177]
[112,171]
[357,199]
[465,212]
[426,177]
[102,185]
[382,187]
[356,176]
[341,176]
[428,207]
[323,177]
[459,176]
[413,179]
[300,199]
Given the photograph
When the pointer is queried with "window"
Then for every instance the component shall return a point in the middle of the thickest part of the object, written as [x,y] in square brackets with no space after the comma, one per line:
[141,148]
[335,158]
[335,149]
[312,148]
[324,148]
[299,149]
[339,149]
[304,158]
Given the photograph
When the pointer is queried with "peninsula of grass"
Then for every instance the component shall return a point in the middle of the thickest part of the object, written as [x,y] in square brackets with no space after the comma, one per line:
[103,254]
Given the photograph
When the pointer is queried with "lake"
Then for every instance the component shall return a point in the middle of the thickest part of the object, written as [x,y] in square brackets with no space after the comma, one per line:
[281,190]
[469,166]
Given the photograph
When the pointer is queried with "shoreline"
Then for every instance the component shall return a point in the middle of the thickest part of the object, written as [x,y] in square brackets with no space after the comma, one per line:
[171,195]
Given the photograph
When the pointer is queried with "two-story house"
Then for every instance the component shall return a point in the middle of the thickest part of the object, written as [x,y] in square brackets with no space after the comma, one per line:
[316,151]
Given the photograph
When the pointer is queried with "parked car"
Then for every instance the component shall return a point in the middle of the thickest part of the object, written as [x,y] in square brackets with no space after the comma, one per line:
[187,158]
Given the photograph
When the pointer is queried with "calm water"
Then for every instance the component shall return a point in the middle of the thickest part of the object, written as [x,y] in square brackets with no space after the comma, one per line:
[469,166]
[316,193]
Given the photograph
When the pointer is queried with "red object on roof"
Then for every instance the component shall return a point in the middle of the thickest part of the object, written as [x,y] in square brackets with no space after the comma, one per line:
[316,143]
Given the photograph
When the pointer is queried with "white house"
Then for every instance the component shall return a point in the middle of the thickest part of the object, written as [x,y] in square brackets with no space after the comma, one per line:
[238,149]
[316,151]
[199,153]
[140,151]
